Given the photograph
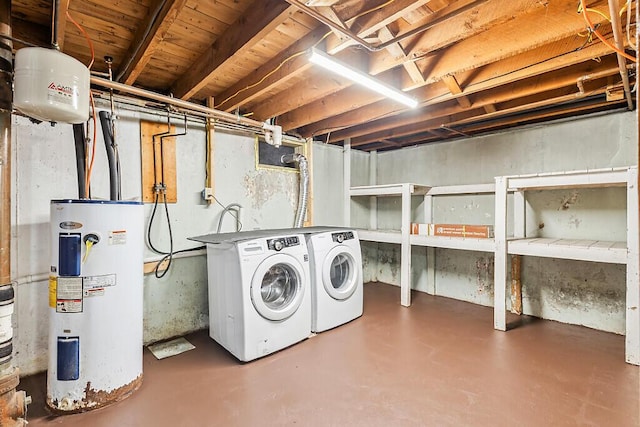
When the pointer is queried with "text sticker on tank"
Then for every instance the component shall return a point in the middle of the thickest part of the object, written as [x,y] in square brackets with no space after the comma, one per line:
[69,306]
[118,237]
[69,288]
[97,282]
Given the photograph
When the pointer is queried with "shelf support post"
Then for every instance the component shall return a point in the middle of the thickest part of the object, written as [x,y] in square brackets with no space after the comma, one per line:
[346,180]
[632,337]
[500,264]
[405,247]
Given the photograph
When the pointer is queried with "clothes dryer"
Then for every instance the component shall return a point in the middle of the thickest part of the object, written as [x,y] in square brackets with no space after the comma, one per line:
[336,271]
[259,296]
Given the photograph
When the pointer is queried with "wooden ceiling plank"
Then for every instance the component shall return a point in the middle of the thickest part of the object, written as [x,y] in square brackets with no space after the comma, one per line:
[262,17]
[143,46]
[30,32]
[246,89]
[372,22]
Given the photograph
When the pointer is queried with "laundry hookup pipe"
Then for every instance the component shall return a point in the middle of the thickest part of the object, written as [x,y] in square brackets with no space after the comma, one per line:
[114,184]
[78,138]
[303,195]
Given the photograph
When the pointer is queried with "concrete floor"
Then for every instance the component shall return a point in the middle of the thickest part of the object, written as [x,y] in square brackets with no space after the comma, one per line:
[436,363]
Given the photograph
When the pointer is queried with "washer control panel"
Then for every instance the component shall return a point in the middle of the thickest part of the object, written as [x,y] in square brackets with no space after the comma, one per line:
[282,242]
[342,236]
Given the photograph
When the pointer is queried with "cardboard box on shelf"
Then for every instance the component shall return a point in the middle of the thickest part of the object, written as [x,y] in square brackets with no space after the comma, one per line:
[463,230]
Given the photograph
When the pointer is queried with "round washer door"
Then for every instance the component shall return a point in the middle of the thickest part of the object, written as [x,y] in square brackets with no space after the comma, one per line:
[277,287]
[340,274]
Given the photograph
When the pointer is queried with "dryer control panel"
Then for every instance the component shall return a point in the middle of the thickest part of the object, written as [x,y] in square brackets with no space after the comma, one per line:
[341,237]
[282,242]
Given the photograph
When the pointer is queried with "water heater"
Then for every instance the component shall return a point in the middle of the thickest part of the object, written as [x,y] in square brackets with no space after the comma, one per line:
[95,303]
[51,86]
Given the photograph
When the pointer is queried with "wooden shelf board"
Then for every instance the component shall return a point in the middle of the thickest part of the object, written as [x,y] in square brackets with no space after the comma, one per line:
[583,250]
[380,236]
[388,190]
[577,179]
[462,243]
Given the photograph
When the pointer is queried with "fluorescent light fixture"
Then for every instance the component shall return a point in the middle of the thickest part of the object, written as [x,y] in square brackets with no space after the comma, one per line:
[322,59]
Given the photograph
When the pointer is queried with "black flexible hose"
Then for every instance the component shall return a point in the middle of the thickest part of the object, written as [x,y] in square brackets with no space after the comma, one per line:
[105,121]
[78,137]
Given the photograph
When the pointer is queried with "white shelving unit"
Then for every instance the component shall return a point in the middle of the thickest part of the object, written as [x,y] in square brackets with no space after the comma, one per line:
[586,250]
[405,191]
[406,240]
[461,243]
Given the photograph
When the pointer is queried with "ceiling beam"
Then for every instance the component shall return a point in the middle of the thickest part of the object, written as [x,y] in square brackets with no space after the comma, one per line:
[455,89]
[396,49]
[318,84]
[286,65]
[351,98]
[449,116]
[369,23]
[485,17]
[262,17]
[556,79]
[469,54]
[546,59]
[145,43]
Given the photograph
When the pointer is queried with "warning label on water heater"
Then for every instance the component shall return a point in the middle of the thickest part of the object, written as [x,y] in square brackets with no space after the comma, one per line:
[69,306]
[68,294]
[94,286]
[118,237]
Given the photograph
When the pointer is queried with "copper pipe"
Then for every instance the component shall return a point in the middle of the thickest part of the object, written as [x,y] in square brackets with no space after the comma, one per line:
[614,7]
[374,48]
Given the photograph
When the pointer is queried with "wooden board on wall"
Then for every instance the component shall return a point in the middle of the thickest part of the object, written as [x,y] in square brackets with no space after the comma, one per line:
[149,144]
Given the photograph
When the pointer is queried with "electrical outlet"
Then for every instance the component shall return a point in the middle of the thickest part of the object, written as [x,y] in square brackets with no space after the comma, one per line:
[207,193]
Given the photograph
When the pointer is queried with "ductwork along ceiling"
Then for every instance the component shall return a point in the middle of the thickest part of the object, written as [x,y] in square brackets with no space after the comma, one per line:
[473,65]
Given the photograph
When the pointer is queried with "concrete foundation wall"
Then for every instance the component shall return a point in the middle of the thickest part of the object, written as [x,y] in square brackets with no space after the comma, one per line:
[584,293]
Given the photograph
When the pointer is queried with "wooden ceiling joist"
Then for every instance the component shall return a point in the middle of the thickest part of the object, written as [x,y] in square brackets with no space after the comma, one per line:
[371,22]
[146,42]
[455,89]
[262,17]
[320,85]
[546,59]
[511,106]
[488,16]
[284,66]
[532,86]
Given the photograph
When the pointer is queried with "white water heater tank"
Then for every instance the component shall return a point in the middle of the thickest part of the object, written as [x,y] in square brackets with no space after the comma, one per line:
[51,86]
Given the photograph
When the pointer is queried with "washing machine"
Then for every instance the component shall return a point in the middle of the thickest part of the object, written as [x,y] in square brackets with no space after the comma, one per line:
[336,271]
[259,296]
